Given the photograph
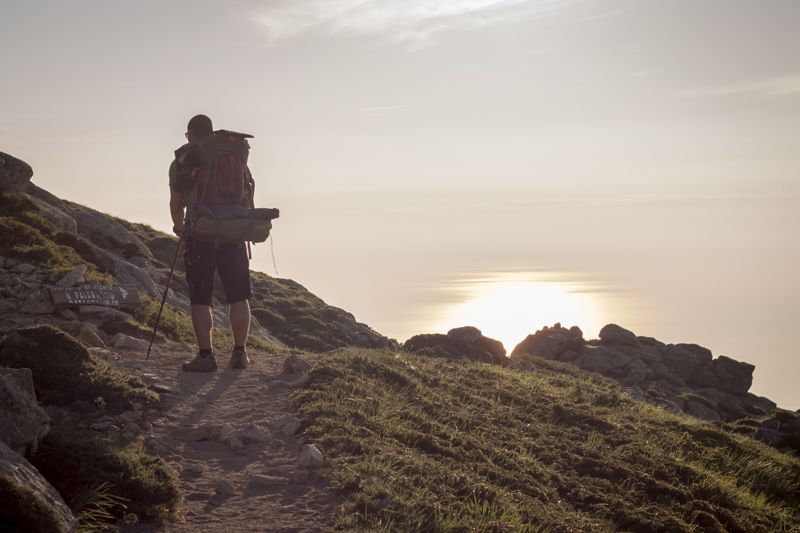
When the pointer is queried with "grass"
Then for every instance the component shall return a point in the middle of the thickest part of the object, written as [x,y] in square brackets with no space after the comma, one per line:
[425,444]
[102,480]
[28,236]
[64,371]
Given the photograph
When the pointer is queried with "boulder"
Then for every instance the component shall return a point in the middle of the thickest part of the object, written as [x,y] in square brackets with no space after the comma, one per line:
[603,359]
[613,334]
[74,277]
[27,501]
[15,174]
[120,340]
[54,215]
[550,343]
[733,376]
[465,333]
[310,456]
[295,364]
[23,423]
[89,337]
[479,348]
[685,359]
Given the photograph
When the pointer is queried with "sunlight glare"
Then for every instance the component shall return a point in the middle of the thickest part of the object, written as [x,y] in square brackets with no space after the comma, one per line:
[510,306]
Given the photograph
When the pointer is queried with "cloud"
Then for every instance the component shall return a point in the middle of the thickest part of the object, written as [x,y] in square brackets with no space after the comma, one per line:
[409,22]
[778,86]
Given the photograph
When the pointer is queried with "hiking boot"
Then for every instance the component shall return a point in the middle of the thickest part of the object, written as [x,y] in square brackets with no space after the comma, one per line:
[201,363]
[239,359]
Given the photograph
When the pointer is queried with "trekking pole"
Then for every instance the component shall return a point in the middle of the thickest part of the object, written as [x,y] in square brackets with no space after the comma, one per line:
[166,289]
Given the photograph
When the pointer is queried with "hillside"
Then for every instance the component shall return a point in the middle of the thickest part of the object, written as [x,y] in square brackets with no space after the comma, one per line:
[429,444]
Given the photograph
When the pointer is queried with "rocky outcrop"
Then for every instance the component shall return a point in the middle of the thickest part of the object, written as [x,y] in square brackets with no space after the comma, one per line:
[27,501]
[23,423]
[558,340]
[460,343]
[15,174]
[684,377]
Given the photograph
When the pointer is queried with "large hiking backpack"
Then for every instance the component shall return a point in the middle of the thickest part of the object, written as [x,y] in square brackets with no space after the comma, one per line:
[221,206]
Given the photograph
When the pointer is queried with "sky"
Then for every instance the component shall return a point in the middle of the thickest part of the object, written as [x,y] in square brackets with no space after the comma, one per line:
[624,161]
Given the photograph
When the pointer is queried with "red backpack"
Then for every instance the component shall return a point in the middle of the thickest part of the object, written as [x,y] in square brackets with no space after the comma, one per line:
[221,206]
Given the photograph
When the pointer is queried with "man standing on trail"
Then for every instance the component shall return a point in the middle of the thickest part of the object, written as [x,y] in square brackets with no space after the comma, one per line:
[202,258]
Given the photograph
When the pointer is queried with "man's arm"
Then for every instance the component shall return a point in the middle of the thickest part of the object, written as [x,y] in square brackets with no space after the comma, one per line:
[176,210]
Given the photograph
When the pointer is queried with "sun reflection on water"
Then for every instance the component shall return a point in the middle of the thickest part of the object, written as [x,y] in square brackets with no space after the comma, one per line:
[511,305]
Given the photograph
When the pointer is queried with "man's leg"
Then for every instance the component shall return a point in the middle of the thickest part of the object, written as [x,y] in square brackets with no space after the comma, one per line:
[203,324]
[200,265]
[239,313]
[234,272]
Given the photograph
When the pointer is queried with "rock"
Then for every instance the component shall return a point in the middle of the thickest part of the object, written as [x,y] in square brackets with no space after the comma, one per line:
[295,364]
[300,382]
[89,337]
[15,174]
[235,442]
[299,476]
[257,434]
[701,411]
[129,416]
[10,263]
[603,359]
[69,314]
[38,308]
[102,313]
[102,426]
[615,335]
[74,277]
[550,343]
[194,469]
[685,359]
[132,428]
[103,353]
[258,480]
[465,334]
[120,340]
[127,437]
[635,392]
[733,376]
[23,423]
[281,470]
[224,488]
[23,268]
[282,421]
[29,489]
[54,215]
[310,456]
[211,432]
[291,428]
[482,349]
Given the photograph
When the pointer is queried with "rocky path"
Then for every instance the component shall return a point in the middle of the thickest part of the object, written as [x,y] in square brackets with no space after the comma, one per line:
[230,435]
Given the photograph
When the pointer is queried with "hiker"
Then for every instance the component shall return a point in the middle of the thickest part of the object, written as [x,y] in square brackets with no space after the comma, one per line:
[202,258]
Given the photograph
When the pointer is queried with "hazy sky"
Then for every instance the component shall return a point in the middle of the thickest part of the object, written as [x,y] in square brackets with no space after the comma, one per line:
[650,150]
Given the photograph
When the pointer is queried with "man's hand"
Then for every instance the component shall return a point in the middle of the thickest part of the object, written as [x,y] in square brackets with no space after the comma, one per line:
[177,229]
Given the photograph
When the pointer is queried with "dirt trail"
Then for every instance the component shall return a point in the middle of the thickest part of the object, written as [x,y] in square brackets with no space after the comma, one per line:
[191,437]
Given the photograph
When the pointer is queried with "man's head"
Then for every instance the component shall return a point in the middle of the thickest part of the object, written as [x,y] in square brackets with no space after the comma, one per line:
[199,127]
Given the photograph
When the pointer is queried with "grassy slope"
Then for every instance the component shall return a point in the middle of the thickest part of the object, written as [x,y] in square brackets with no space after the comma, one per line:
[417,443]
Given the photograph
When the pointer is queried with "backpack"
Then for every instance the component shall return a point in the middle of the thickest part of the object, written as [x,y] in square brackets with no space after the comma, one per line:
[221,208]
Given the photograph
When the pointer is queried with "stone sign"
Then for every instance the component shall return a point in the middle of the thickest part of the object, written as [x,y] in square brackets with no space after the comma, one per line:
[114,296]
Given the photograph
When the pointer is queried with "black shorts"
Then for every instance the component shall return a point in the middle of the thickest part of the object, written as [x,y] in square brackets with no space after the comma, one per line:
[230,260]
